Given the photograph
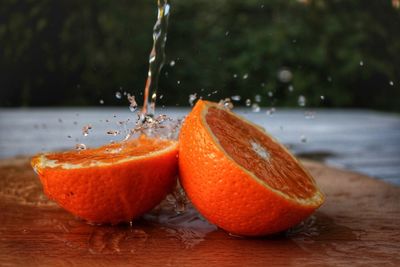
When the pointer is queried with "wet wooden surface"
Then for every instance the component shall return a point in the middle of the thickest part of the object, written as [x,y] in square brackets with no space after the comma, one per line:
[359,225]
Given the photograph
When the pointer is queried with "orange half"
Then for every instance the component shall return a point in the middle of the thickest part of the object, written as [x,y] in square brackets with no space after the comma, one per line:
[111,184]
[241,178]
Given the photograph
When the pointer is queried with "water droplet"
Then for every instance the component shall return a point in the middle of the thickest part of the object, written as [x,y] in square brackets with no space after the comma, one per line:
[161,96]
[262,6]
[329,79]
[172,63]
[226,33]
[192,98]
[226,103]
[60,120]
[301,101]
[270,111]
[255,107]
[248,102]
[361,63]
[113,132]
[178,82]
[270,94]
[236,97]
[262,84]
[85,129]
[235,75]
[303,138]
[213,93]
[101,101]
[69,136]
[118,95]
[245,76]
[257,98]
[285,75]
[80,147]
[391,83]
[290,88]
[132,103]
[322,97]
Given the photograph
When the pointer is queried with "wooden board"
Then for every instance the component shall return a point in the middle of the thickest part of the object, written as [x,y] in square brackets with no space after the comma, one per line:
[358,225]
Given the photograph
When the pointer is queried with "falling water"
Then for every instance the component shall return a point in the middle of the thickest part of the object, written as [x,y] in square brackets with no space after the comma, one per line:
[157,58]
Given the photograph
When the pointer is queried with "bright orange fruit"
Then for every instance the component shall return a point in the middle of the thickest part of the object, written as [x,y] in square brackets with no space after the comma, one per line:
[111,184]
[239,177]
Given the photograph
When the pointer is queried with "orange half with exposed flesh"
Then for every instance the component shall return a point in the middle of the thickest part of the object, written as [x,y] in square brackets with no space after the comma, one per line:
[111,184]
[239,177]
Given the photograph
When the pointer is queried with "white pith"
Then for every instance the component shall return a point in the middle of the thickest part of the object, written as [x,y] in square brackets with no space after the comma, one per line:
[44,162]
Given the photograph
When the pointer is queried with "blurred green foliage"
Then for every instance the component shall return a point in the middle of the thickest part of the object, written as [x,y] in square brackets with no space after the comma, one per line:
[78,52]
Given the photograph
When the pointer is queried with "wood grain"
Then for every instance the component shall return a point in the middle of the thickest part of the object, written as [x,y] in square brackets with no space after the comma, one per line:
[359,225]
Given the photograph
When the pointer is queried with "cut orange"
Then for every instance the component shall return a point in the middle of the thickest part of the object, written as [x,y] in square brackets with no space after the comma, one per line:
[111,184]
[239,177]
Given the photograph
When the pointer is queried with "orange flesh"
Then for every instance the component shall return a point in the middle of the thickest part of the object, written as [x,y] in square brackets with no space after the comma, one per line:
[259,154]
[112,152]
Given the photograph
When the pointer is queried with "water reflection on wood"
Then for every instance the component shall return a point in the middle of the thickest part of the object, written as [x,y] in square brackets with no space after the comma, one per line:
[357,224]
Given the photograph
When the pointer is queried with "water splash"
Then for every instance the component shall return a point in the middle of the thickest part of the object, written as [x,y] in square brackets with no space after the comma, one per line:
[180,220]
[132,103]
[85,129]
[192,98]
[80,147]
[226,103]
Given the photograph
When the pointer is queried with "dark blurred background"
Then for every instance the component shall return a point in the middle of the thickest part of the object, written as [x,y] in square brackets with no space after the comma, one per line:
[343,53]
